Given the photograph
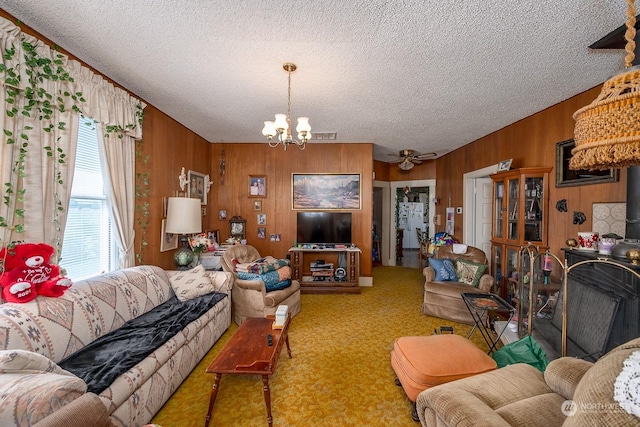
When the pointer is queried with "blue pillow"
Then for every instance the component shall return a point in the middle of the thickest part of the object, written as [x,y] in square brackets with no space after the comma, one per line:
[445,270]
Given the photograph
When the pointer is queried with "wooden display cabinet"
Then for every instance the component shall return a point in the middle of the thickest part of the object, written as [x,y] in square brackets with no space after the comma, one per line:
[520,217]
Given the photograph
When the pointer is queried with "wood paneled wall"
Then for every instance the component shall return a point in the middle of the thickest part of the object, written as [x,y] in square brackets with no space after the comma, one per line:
[530,142]
[171,147]
[168,147]
[242,160]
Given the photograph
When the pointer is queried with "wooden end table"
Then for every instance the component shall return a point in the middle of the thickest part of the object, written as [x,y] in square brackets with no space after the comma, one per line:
[252,350]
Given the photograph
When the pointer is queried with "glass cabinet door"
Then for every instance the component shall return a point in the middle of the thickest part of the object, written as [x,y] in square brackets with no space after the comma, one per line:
[498,206]
[534,209]
[512,232]
[496,268]
[512,256]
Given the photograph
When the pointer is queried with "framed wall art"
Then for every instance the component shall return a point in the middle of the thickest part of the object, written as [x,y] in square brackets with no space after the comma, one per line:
[504,165]
[325,191]
[262,219]
[257,205]
[197,188]
[168,241]
[566,177]
[257,185]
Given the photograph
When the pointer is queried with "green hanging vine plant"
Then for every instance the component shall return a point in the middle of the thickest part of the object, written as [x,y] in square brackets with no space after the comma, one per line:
[30,99]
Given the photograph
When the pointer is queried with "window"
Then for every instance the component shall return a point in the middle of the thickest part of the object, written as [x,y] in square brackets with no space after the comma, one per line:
[89,246]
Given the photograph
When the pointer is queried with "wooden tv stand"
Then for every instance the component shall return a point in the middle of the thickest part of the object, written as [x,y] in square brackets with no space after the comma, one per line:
[301,259]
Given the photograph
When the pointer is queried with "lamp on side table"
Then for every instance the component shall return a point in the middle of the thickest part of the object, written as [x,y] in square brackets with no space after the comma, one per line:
[183,217]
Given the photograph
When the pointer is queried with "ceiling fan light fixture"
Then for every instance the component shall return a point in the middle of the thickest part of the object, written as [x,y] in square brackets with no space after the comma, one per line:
[406,165]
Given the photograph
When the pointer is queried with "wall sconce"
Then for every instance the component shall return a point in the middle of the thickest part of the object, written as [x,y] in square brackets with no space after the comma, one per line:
[222,166]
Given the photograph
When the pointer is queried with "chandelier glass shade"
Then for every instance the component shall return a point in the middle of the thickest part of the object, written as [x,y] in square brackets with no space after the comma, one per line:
[607,131]
[279,131]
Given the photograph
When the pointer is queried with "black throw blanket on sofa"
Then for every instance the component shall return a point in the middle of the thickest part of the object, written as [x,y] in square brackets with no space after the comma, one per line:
[111,355]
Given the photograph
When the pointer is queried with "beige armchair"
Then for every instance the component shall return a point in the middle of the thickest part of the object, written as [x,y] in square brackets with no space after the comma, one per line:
[570,393]
[443,299]
[249,298]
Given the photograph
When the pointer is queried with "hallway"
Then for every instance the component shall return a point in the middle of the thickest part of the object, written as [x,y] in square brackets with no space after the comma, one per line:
[410,258]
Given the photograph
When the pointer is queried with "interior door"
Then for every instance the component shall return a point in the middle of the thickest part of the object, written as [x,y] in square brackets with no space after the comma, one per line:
[483,204]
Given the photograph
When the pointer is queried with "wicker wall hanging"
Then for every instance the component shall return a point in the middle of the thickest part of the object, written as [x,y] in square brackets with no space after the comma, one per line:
[607,131]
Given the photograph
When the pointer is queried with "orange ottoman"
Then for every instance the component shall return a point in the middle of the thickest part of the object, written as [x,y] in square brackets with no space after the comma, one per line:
[426,361]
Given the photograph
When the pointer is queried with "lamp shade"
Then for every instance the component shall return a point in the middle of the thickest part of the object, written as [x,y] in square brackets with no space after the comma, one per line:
[183,216]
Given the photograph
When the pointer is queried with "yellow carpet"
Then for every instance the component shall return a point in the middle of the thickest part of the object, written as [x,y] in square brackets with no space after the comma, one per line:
[340,373]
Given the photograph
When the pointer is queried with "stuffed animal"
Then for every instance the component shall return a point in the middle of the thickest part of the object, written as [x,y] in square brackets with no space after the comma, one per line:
[28,273]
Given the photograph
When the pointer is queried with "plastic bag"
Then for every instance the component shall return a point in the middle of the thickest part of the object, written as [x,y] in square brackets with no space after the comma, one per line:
[525,350]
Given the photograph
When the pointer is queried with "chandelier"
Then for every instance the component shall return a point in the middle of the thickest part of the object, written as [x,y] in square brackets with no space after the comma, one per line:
[280,128]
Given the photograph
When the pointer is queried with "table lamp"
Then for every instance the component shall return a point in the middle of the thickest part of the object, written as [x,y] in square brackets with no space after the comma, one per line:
[183,217]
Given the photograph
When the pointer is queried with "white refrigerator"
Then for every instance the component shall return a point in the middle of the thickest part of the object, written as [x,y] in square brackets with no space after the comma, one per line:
[411,218]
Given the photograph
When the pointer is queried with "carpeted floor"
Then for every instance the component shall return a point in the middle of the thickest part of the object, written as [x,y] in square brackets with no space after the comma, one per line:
[340,373]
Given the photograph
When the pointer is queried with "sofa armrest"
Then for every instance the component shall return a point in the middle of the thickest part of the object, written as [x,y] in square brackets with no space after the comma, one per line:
[250,285]
[31,397]
[563,375]
[222,281]
[429,274]
[86,410]
[486,283]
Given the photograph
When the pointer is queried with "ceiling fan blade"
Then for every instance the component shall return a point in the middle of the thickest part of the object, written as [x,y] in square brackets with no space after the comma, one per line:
[425,156]
[416,161]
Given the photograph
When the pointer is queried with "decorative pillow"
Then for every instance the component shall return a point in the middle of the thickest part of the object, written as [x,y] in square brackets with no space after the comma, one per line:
[469,272]
[191,283]
[445,270]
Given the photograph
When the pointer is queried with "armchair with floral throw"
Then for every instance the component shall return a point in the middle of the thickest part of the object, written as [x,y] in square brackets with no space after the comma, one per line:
[251,296]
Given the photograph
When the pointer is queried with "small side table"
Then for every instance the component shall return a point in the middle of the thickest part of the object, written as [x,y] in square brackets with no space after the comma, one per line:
[479,305]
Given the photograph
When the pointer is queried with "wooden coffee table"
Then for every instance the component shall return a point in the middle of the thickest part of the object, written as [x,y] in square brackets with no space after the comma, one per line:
[252,350]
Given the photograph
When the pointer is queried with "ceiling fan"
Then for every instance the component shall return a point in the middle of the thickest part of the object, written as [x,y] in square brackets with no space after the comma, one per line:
[408,158]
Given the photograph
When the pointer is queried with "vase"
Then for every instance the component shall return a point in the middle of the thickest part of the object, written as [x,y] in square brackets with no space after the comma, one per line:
[588,240]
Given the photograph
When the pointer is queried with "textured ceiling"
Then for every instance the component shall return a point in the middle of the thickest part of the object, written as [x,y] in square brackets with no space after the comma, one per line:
[422,74]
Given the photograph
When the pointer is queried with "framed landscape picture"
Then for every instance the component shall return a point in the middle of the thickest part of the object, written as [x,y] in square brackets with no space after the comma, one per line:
[325,191]
[566,177]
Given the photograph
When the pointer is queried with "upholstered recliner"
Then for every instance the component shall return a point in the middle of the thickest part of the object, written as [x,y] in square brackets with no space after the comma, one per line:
[570,393]
[250,298]
[443,298]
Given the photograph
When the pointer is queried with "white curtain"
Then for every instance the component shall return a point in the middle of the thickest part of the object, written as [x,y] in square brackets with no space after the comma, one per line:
[113,109]
[117,156]
[42,189]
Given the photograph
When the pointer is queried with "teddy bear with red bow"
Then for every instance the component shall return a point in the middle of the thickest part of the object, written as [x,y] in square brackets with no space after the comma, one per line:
[29,273]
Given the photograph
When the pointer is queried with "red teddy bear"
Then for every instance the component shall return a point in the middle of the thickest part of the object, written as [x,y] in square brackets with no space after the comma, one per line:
[28,273]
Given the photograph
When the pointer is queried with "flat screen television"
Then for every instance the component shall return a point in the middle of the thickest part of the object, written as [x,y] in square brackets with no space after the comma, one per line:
[329,228]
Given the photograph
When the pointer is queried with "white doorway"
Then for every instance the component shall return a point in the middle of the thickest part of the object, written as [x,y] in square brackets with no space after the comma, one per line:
[478,198]
[389,232]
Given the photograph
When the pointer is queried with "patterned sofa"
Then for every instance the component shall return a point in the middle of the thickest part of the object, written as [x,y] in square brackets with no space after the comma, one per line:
[38,337]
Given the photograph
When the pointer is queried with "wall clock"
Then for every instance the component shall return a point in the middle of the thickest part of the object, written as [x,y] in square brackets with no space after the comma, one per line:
[237,227]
